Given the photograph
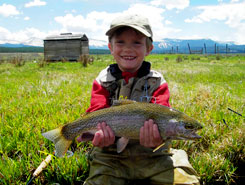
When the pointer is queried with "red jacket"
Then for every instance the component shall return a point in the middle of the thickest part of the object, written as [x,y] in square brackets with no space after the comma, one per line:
[100,96]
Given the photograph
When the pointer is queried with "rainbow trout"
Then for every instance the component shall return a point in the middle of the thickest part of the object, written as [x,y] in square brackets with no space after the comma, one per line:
[126,118]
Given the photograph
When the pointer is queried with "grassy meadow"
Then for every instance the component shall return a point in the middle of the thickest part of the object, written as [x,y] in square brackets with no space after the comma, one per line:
[37,96]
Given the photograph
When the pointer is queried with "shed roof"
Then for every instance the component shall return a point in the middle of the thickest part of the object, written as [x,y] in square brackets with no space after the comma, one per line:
[67,36]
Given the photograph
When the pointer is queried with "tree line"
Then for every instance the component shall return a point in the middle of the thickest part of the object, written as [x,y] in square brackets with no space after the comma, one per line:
[41,50]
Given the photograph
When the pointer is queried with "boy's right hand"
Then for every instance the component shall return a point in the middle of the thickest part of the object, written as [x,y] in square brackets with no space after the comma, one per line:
[104,136]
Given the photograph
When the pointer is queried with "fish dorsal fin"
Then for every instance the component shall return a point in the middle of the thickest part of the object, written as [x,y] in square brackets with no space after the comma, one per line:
[84,114]
[122,102]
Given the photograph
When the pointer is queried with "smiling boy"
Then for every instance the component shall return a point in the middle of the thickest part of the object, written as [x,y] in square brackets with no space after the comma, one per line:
[130,40]
[129,49]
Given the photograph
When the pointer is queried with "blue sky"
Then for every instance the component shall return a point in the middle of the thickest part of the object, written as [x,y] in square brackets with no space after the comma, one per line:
[30,21]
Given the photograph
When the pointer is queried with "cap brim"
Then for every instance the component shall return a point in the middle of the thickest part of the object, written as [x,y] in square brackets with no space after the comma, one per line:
[141,30]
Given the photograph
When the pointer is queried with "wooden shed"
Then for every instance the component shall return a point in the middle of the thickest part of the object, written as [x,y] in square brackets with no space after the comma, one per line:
[66,46]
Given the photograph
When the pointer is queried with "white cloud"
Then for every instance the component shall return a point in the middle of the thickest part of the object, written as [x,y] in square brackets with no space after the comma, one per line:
[167,22]
[170,4]
[69,0]
[28,36]
[95,24]
[8,10]
[35,3]
[26,18]
[3,34]
[156,19]
[232,14]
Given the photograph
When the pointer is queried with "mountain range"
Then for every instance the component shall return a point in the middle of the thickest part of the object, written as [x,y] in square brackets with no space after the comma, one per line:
[170,46]
[196,46]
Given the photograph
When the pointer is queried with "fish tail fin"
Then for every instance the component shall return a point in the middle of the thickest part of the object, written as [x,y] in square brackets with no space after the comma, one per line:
[61,143]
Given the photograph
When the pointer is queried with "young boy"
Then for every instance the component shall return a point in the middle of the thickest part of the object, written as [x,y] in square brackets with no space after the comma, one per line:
[130,40]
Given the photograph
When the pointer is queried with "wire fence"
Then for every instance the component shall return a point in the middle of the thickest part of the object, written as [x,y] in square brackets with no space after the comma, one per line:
[215,49]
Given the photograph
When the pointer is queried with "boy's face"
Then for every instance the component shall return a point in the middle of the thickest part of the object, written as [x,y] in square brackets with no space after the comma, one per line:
[129,49]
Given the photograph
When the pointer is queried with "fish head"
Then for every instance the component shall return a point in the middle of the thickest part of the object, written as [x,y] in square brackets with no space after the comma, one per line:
[187,130]
[183,127]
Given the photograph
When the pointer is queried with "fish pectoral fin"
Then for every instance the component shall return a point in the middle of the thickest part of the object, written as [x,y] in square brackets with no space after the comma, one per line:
[121,144]
[61,143]
[122,102]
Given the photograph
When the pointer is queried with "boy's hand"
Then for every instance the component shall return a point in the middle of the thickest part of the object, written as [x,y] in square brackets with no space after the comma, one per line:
[149,135]
[104,136]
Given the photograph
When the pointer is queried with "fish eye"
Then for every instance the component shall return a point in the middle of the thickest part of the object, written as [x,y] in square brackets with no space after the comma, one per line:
[187,126]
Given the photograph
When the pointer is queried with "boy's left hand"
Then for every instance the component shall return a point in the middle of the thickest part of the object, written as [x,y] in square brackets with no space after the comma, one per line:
[149,135]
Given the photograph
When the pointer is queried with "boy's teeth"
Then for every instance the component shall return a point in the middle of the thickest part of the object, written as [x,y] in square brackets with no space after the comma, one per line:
[128,58]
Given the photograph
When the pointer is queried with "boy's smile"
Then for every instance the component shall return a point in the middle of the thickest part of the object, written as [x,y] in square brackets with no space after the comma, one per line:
[129,49]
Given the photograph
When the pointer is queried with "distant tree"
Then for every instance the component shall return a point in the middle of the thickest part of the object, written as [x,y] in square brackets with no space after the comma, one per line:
[21,50]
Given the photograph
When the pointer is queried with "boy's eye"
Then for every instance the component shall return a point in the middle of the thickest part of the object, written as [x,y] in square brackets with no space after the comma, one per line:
[137,43]
[120,41]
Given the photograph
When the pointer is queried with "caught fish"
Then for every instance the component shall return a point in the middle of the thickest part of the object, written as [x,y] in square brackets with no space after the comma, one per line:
[125,118]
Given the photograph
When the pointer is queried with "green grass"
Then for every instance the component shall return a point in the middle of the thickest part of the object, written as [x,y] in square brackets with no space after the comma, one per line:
[34,99]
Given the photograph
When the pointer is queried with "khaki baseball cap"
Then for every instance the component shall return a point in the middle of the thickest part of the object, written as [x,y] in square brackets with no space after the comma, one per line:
[135,21]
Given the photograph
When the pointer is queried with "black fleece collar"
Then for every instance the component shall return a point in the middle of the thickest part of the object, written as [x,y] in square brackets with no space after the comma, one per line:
[143,70]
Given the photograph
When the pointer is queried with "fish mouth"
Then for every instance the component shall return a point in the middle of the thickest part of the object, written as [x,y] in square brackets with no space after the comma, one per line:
[190,135]
[193,135]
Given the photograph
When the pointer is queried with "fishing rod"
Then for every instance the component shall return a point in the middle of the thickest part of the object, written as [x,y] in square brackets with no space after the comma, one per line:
[40,168]
[235,112]
[44,164]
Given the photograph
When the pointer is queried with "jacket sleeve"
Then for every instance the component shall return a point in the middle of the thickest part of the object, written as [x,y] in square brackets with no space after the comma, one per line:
[161,95]
[99,97]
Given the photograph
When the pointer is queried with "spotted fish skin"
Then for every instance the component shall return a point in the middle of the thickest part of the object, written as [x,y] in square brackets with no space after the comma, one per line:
[125,119]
